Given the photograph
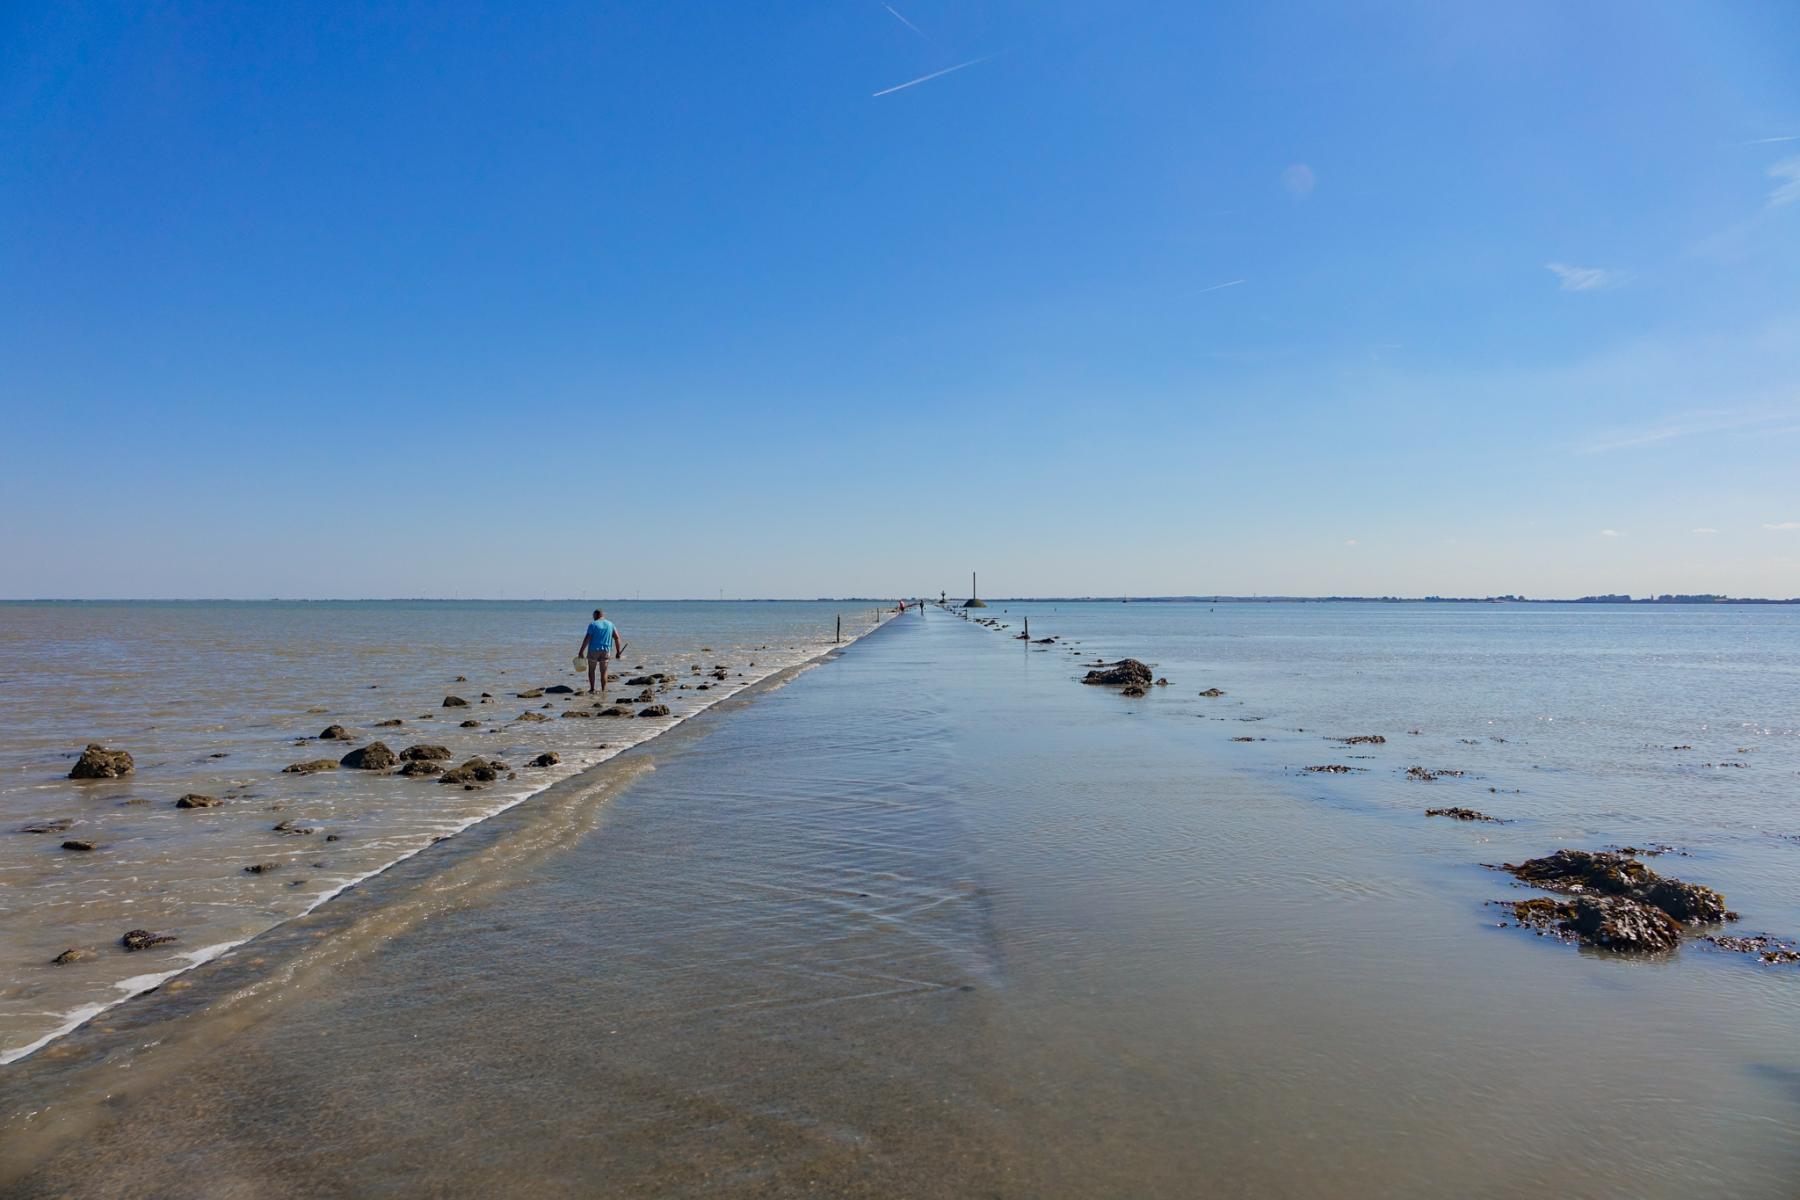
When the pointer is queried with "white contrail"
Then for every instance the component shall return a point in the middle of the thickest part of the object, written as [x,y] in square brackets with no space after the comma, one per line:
[1786,137]
[1215,287]
[904,21]
[900,87]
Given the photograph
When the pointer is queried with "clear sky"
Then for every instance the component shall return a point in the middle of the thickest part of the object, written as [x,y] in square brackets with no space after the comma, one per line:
[665,298]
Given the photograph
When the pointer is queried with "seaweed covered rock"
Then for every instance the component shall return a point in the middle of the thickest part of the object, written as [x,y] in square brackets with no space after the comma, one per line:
[97,762]
[655,710]
[531,716]
[1615,922]
[418,767]
[196,800]
[1606,873]
[475,770]
[376,756]
[143,939]
[455,702]
[424,753]
[1126,672]
[1461,814]
[310,766]
[335,733]
[559,689]
[548,758]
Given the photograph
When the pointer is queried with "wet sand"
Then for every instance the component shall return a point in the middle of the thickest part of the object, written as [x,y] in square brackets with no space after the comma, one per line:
[928,919]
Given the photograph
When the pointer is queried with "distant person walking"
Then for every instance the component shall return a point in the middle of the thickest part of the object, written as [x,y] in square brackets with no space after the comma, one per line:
[599,643]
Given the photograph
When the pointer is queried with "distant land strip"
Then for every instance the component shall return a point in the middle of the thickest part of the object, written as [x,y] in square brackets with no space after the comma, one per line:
[1607,599]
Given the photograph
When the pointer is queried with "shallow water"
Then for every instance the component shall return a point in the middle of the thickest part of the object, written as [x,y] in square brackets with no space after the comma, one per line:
[935,919]
[216,698]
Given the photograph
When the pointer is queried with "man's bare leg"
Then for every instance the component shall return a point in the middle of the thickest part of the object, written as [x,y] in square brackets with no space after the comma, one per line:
[603,661]
[591,675]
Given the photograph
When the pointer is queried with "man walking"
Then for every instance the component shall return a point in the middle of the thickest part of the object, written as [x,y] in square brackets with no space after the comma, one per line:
[597,645]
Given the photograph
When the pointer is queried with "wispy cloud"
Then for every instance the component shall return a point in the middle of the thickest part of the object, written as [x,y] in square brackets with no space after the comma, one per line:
[1585,279]
[1350,542]
[1610,533]
[1686,425]
[1299,179]
[901,87]
[1215,287]
[904,21]
[1782,525]
[1704,530]
[1787,191]
[1785,137]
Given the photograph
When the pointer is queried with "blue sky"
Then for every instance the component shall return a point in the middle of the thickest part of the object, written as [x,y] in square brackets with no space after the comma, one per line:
[608,299]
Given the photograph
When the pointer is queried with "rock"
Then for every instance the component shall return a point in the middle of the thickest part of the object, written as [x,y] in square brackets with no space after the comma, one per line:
[1462,814]
[73,954]
[1125,672]
[1770,950]
[373,757]
[196,800]
[531,694]
[579,713]
[644,697]
[54,825]
[390,723]
[475,770]
[655,710]
[469,724]
[1162,682]
[424,753]
[307,768]
[548,758]
[1135,689]
[1621,923]
[460,679]
[1362,739]
[418,767]
[455,702]
[560,689]
[97,762]
[335,733]
[1421,775]
[531,716]
[1327,769]
[297,830]
[77,844]
[641,681]
[143,939]
[1212,693]
[616,710]
[1609,874]
[262,868]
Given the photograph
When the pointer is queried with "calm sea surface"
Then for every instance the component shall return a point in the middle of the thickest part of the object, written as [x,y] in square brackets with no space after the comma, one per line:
[935,919]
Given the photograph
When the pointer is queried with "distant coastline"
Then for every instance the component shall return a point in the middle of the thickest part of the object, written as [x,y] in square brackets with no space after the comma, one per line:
[1603,599]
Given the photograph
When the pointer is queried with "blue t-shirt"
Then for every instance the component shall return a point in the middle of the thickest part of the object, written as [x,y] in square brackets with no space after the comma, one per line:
[600,637]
